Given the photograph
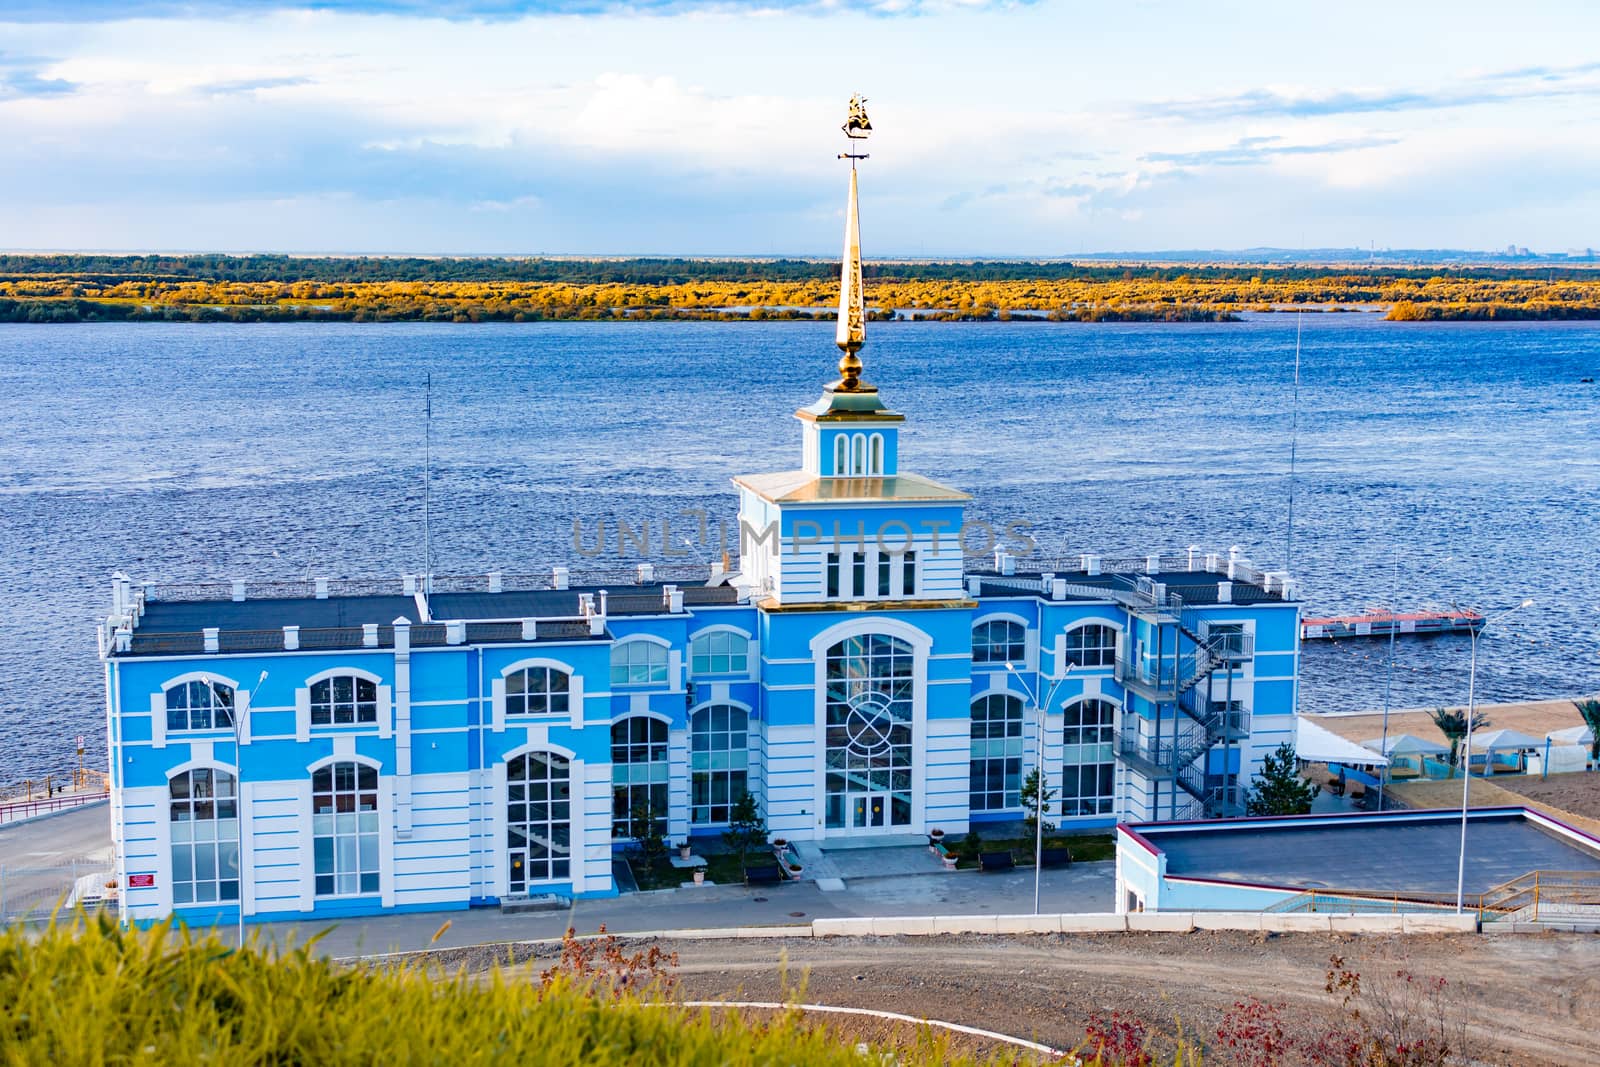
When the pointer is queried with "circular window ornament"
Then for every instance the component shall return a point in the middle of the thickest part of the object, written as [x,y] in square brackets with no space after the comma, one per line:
[870,723]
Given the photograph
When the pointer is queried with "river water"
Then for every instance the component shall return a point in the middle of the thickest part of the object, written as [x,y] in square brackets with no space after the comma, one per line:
[1469,453]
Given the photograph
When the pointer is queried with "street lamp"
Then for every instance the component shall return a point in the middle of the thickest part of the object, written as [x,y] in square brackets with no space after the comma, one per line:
[238,791]
[1038,793]
[1388,677]
[1466,779]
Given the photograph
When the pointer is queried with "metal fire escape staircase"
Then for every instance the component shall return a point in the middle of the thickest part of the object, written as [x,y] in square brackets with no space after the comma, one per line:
[1174,681]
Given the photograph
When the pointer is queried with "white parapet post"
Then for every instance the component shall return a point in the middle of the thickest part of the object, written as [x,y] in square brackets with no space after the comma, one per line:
[369,635]
[322,588]
[455,632]
[291,638]
[211,638]
[238,590]
[559,577]
[496,581]
[530,629]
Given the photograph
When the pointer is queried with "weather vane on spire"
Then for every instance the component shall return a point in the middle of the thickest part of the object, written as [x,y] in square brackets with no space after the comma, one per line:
[851,333]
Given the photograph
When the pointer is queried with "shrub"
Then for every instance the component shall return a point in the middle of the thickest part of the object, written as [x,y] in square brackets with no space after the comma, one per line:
[86,991]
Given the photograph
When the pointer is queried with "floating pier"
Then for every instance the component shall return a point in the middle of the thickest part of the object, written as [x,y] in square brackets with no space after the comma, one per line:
[1384,623]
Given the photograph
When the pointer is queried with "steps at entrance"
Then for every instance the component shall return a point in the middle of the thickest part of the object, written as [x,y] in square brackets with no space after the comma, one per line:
[521,902]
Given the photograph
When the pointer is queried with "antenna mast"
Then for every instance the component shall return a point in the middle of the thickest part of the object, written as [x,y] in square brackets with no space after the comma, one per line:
[1294,437]
[427,489]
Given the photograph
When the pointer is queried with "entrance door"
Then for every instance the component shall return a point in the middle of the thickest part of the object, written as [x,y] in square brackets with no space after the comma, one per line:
[518,873]
[870,811]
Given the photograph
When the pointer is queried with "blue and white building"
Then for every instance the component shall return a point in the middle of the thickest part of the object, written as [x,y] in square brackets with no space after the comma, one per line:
[433,743]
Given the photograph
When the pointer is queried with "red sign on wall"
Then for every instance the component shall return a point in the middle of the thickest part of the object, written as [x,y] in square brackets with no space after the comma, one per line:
[141,881]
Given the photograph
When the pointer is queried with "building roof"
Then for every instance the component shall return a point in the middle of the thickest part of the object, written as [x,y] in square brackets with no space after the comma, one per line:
[802,487]
[1197,587]
[1401,852]
[176,627]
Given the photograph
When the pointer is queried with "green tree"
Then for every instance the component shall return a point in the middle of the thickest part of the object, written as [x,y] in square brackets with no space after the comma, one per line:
[747,828]
[652,834]
[1278,789]
[1453,724]
[1032,803]
[1590,710]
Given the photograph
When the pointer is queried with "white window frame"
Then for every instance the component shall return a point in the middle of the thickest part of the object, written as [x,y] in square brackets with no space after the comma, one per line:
[716,631]
[381,865]
[158,708]
[217,843]
[497,694]
[626,646]
[738,760]
[384,727]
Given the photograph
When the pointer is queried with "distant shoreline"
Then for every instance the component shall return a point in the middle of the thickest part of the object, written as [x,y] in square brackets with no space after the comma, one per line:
[210,288]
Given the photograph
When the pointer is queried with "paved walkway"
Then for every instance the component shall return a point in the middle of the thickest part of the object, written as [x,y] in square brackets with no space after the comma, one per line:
[891,887]
[1086,887]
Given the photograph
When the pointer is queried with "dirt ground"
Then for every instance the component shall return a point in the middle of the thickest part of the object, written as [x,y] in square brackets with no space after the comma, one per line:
[1535,717]
[1572,798]
[1528,999]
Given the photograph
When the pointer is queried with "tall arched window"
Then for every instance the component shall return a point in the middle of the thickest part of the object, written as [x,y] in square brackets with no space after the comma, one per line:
[875,459]
[538,819]
[344,828]
[870,687]
[199,705]
[1094,645]
[719,762]
[999,641]
[858,453]
[638,775]
[205,836]
[538,691]
[344,700]
[841,454]
[996,752]
[638,662]
[1089,781]
[719,652]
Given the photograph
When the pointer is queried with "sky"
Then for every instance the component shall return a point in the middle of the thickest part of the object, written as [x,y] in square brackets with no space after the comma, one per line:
[1006,128]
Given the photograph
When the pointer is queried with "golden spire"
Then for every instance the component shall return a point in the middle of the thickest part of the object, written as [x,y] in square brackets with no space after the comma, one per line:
[851,333]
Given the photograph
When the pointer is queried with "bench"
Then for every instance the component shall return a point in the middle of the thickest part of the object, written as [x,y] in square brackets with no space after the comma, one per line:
[1055,857]
[763,874]
[996,861]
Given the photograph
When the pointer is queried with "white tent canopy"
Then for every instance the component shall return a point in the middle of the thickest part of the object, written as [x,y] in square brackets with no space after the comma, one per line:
[1315,744]
[1407,745]
[1505,740]
[1572,735]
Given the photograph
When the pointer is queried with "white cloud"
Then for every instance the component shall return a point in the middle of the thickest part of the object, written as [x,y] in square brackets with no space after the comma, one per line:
[1010,130]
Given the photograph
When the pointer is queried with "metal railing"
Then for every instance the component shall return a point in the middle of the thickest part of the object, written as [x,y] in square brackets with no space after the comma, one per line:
[31,894]
[309,588]
[26,809]
[1559,896]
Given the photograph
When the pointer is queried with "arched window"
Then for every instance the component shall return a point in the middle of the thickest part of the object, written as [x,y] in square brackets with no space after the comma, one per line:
[999,641]
[996,752]
[199,705]
[538,691]
[719,652]
[841,454]
[205,836]
[875,460]
[638,775]
[1092,646]
[1089,780]
[870,687]
[344,700]
[344,828]
[638,663]
[719,762]
[858,453]
[538,819]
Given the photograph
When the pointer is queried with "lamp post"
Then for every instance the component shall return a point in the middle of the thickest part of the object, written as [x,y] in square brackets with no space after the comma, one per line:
[1466,779]
[238,791]
[1388,677]
[1038,793]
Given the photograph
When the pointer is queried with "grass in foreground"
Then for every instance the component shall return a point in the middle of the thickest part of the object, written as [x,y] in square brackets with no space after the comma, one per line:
[84,991]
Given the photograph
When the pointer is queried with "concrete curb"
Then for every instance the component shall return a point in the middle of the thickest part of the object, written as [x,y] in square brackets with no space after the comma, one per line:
[1166,922]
